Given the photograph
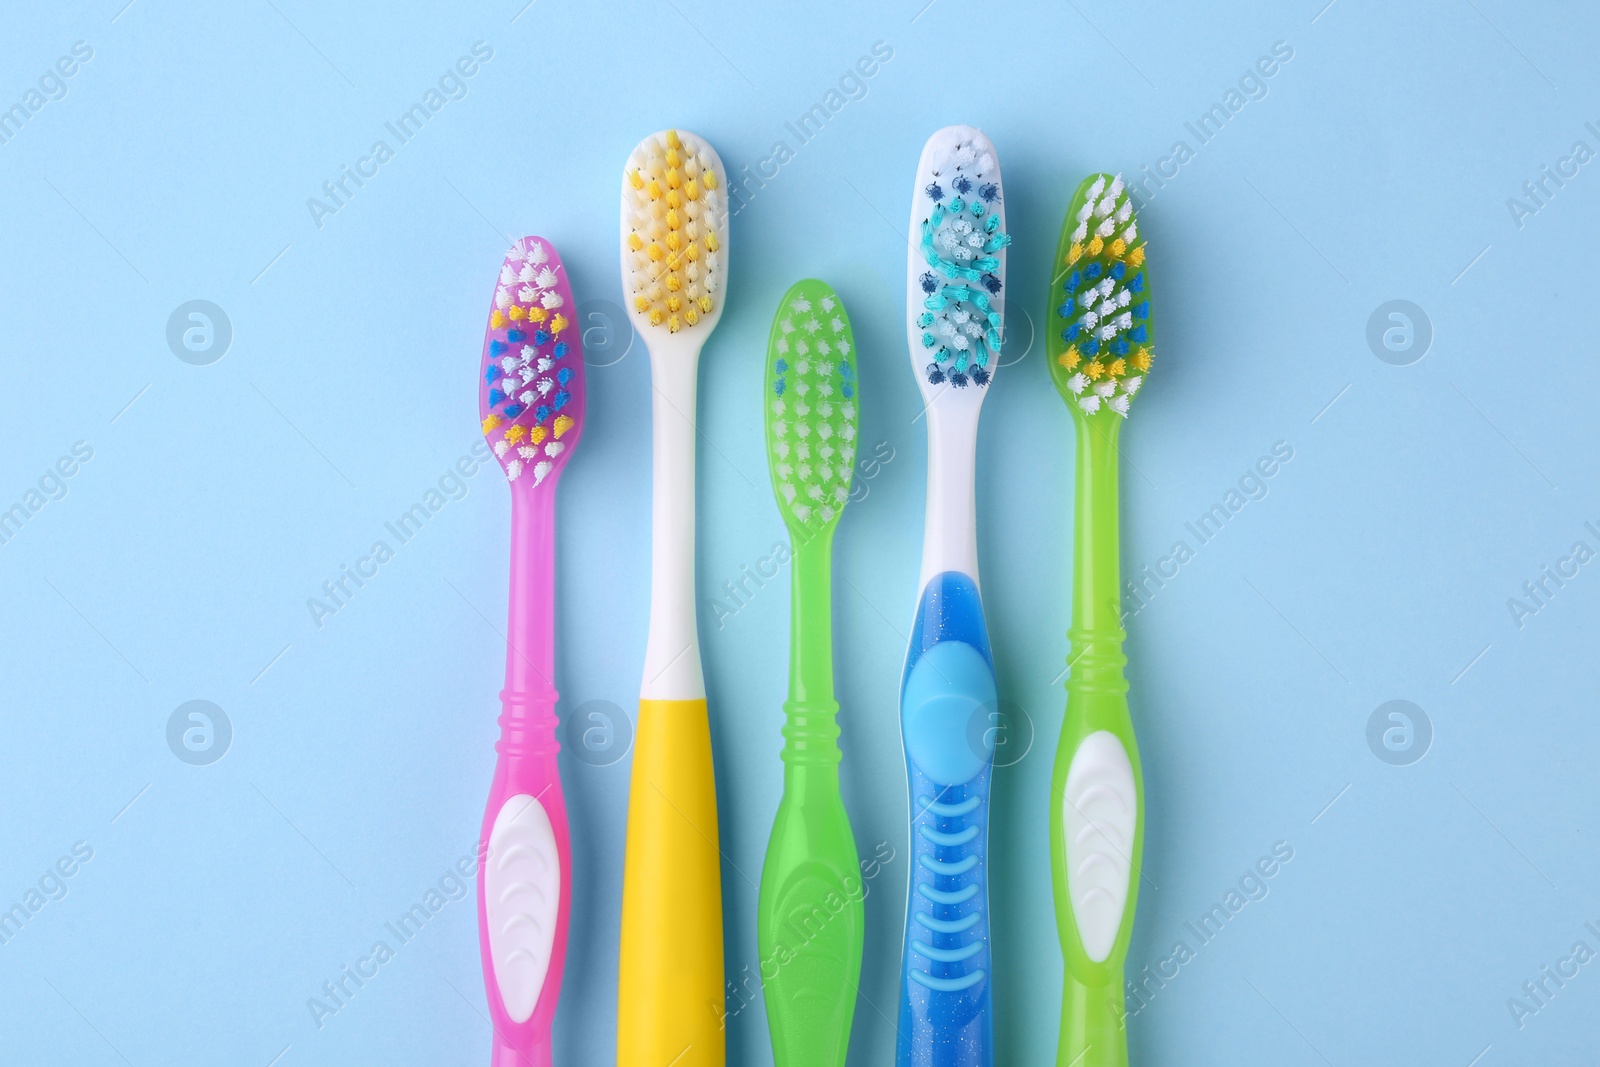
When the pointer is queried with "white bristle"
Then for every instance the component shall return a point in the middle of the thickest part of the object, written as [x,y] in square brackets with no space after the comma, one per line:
[1132,384]
[507,275]
[1090,403]
[550,299]
[1095,189]
[500,447]
[537,253]
[527,451]
[1119,404]
[546,278]
[1077,383]
[1105,388]
[513,469]
[540,470]
[554,449]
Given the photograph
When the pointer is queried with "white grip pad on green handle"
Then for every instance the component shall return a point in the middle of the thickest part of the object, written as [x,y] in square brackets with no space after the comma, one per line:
[1100,809]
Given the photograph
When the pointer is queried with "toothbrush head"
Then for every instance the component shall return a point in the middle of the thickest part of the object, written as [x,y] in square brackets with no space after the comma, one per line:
[811,399]
[1099,345]
[955,294]
[674,235]
[530,391]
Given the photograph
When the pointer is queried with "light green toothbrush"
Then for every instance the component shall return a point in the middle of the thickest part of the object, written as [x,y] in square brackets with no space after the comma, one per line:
[1099,349]
[810,914]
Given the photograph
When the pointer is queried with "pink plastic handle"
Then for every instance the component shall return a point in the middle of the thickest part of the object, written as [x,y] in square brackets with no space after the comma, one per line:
[527,767]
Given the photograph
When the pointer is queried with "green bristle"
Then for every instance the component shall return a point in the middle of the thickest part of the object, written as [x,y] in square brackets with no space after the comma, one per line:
[1099,375]
[811,405]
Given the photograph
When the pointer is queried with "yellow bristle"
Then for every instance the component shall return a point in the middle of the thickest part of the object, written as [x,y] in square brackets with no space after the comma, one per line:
[674,198]
[1070,358]
[1074,254]
[1118,368]
[1136,256]
[490,422]
[691,253]
[672,139]
[496,320]
[674,304]
[634,243]
[539,433]
[516,313]
[656,317]
[705,304]
[1141,359]
[1118,247]
[558,323]
[514,433]
[641,303]
[674,241]
[674,220]
[654,190]
[1096,246]
[691,189]
[536,314]
[674,282]
[563,424]
[711,242]
[674,179]
[709,179]
[691,316]
[635,180]
[673,159]
[1094,370]
[656,252]
[673,325]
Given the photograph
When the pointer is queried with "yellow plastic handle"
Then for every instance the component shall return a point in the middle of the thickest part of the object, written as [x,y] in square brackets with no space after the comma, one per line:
[670,1001]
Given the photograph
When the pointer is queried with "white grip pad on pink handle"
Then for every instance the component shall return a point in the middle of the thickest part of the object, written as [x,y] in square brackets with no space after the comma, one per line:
[522,896]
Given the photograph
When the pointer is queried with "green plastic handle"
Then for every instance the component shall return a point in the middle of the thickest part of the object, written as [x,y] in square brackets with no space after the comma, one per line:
[809,919]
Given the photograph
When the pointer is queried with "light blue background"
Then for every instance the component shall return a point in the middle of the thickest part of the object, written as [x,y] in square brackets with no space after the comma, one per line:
[1377,567]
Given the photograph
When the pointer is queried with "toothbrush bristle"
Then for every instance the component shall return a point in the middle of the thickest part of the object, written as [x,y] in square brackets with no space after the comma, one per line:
[957,306]
[530,389]
[674,231]
[1101,347]
[811,398]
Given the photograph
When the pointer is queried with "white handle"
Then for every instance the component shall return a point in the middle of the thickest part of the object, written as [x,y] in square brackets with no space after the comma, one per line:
[672,655]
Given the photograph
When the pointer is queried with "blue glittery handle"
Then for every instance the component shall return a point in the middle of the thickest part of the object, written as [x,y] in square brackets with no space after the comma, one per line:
[947,713]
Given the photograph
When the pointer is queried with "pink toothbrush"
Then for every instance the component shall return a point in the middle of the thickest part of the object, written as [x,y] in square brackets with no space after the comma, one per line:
[531,398]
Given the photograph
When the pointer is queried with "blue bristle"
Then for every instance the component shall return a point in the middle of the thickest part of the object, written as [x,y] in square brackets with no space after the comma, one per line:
[513,410]
[1118,270]
[1071,284]
[1138,334]
[935,375]
[541,413]
[1071,332]
[929,282]
[981,376]
[559,350]
[846,370]
[963,184]
[935,191]
[958,380]
[495,397]
[493,372]
[1119,346]
[1065,310]
[990,192]
[540,337]
[848,390]
[564,375]
[1137,284]
[782,367]
[1091,273]
[777,387]
[1141,310]
[991,283]
[515,336]
[497,348]
[1090,345]
[561,399]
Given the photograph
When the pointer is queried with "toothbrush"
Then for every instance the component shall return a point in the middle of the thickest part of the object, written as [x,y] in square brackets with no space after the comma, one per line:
[530,397]
[1099,350]
[674,260]
[809,917]
[954,305]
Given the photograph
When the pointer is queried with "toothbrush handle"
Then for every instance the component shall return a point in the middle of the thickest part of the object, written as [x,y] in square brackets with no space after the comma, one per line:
[947,709]
[670,995]
[524,851]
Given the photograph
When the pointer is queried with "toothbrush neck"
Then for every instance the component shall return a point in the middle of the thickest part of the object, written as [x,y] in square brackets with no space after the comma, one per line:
[811,618]
[1097,632]
[950,535]
[530,626]
[672,653]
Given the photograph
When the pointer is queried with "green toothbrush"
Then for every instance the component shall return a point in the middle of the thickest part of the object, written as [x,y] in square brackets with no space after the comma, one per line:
[1099,351]
[810,915]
